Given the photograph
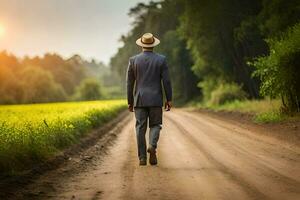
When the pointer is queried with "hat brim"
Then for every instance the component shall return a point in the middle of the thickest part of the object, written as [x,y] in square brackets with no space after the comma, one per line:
[155,43]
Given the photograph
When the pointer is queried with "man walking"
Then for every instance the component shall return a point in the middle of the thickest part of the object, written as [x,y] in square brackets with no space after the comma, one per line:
[146,73]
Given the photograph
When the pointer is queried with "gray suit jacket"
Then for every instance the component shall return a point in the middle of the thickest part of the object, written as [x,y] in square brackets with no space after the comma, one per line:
[146,73]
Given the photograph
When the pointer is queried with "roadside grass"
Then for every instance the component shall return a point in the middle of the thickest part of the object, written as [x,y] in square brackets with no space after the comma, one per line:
[263,111]
[32,133]
[270,117]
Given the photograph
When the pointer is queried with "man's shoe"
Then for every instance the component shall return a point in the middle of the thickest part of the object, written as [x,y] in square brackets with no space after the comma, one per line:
[143,161]
[153,158]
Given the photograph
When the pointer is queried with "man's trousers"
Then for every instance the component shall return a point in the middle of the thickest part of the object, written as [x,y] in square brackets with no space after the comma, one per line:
[142,115]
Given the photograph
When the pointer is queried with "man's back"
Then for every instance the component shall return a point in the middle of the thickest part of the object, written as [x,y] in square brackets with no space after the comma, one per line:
[147,70]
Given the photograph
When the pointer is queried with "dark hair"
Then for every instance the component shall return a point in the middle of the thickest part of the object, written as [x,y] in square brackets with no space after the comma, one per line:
[148,48]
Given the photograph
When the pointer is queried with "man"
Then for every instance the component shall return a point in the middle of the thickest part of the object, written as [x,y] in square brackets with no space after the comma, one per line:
[146,73]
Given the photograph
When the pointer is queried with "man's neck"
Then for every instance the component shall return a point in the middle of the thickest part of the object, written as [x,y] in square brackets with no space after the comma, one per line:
[147,50]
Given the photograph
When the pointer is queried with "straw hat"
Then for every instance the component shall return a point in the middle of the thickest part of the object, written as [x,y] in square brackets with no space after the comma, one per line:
[147,40]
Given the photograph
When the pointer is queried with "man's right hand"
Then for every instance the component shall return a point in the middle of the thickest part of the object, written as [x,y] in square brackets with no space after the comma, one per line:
[168,105]
[130,108]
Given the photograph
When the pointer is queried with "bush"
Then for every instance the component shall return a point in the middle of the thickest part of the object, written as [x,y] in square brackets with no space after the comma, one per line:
[227,92]
[89,89]
[39,86]
[207,85]
[280,70]
[269,117]
[11,90]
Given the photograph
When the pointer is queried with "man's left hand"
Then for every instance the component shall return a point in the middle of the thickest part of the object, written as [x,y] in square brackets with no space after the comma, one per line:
[168,105]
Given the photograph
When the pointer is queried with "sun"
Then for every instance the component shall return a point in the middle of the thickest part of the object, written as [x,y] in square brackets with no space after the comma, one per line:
[2,30]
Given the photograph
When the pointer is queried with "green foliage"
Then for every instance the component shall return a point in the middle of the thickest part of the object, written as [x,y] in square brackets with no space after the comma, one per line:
[89,89]
[263,111]
[250,106]
[179,61]
[40,86]
[220,36]
[269,117]
[220,41]
[47,79]
[278,15]
[206,43]
[208,85]
[223,36]
[113,92]
[160,18]
[227,92]
[66,72]
[32,133]
[11,90]
[280,70]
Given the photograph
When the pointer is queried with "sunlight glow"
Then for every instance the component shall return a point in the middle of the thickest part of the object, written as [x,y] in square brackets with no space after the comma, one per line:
[2,30]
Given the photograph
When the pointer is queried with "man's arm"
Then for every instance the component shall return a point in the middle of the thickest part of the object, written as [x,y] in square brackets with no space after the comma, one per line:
[167,84]
[130,80]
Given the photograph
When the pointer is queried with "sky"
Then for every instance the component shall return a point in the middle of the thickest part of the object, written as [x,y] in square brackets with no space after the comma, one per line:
[90,28]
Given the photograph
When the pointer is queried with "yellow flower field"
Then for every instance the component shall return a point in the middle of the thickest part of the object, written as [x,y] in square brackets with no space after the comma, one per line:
[31,133]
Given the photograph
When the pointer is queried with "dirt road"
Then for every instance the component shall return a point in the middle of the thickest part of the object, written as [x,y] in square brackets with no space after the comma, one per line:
[199,158]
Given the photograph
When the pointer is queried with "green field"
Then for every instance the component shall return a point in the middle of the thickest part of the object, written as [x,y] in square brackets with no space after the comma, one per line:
[32,133]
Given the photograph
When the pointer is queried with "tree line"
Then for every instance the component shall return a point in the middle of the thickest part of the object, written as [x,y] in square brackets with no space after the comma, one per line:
[51,78]
[222,50]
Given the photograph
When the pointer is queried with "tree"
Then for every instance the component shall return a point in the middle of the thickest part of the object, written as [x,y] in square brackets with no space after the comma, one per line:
[280,70]
[160,18]
[11,91]
[46,78]
[39,86]
[277,16]
[211,29]
[89,89]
